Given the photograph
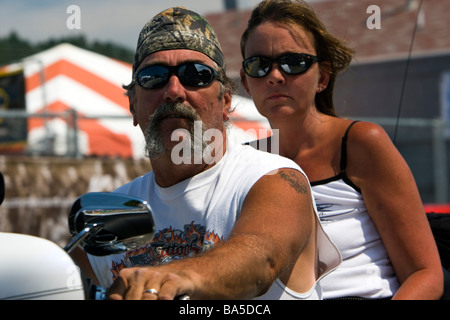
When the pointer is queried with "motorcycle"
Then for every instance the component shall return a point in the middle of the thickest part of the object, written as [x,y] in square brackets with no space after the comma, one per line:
[33,268]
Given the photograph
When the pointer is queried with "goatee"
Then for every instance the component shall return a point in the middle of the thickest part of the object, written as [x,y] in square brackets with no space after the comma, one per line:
[154,144]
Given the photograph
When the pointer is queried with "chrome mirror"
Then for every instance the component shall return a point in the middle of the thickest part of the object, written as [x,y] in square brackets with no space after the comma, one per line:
[104,223]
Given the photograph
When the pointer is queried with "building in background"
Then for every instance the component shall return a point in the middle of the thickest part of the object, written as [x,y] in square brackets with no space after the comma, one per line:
[13,131]
[74,105]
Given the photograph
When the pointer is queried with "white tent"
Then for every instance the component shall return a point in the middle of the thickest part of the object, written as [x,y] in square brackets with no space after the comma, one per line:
[65,79]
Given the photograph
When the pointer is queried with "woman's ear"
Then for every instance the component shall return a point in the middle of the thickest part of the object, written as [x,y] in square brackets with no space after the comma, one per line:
[244,82]
[324,76]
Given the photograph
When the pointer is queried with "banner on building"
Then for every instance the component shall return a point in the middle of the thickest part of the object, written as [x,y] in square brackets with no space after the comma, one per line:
[13,130]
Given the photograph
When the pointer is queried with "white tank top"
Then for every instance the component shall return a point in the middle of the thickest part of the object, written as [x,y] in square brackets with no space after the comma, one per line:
[189,216]
[366,269]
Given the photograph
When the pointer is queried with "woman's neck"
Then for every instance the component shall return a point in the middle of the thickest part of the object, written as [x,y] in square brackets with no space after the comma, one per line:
[295,135]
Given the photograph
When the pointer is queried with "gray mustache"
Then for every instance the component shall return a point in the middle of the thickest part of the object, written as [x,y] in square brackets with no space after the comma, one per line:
[154,145]
[172,109]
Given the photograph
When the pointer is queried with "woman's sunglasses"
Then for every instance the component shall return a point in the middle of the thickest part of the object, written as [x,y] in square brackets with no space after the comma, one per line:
[291,63]
[190,74]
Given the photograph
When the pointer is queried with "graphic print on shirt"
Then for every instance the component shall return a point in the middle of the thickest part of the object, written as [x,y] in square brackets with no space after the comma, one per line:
[169,244]
[327,211]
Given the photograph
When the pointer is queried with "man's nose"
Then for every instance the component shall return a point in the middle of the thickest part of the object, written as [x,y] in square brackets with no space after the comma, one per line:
[174,91]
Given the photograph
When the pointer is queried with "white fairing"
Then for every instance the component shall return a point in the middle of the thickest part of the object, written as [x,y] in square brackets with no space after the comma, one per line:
[36,269]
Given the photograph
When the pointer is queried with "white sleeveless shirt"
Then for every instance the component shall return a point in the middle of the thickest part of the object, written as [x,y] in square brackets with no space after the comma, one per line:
[195,214]
[366,269]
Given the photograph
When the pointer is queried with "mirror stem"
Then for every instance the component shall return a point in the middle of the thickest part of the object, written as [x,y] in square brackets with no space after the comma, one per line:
[89,230]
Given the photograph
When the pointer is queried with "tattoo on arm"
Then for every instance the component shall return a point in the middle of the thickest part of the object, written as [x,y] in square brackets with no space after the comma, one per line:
[294,181]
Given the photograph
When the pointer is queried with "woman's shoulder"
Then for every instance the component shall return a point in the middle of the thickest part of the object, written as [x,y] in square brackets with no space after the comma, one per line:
[367,134]
[370,151]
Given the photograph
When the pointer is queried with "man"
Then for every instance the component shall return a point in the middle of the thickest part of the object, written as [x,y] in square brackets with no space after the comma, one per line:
[232,222]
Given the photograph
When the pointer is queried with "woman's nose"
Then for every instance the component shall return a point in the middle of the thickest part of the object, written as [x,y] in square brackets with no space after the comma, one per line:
[276,76]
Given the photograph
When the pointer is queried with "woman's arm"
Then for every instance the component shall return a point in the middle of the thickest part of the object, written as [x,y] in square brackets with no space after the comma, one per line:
[394,204]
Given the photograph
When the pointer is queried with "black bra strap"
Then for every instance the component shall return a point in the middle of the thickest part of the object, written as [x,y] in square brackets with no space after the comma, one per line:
[344,147]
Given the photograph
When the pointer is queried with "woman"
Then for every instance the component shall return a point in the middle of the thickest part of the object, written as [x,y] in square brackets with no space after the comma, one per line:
[366,194]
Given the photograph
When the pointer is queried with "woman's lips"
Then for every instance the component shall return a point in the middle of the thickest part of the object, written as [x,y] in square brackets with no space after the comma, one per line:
[277,96]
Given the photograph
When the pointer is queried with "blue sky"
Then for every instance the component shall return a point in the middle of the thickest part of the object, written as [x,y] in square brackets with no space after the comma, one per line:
[104,20]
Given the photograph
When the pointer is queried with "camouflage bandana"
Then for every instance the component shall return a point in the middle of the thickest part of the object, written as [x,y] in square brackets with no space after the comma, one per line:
[178,28]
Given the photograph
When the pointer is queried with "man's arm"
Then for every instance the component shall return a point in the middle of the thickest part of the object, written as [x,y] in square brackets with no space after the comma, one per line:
[274,226]
[82,261]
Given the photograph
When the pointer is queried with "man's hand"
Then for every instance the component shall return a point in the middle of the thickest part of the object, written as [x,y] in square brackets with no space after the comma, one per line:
[149,283]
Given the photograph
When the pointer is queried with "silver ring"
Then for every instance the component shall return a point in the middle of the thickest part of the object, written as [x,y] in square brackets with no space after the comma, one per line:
[152,291]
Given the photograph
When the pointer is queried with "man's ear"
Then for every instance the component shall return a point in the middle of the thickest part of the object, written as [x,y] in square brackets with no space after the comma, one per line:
[226,106]
[131,103]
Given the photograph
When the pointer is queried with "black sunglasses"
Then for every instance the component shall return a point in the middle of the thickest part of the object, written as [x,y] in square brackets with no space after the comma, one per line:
[190,74]
[291,63]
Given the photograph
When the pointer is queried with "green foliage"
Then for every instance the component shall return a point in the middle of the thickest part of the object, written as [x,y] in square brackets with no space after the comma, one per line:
[13,47]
